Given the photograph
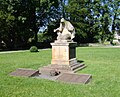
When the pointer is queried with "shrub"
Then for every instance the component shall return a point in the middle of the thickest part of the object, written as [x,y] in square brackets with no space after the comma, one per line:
[33,49]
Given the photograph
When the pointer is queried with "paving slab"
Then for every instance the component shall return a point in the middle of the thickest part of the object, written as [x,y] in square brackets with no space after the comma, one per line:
[74,78]
[24,72]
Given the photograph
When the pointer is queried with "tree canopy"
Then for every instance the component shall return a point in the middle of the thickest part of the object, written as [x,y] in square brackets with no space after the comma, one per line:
[21,20]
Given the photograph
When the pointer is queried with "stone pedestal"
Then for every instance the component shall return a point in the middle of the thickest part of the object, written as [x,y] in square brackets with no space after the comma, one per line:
[63,58]
[64,53]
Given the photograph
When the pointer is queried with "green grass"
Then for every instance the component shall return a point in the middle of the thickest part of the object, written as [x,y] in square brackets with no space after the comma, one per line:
[102,63]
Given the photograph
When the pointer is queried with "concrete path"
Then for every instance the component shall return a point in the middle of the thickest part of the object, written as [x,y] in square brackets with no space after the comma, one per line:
[112,46]
[4,52]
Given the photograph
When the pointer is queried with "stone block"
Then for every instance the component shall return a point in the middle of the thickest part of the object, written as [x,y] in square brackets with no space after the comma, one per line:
[63,53]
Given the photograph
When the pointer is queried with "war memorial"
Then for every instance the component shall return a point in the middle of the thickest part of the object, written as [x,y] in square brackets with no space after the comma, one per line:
[64,64]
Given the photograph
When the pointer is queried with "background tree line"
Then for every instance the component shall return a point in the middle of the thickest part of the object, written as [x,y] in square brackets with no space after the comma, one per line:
[21,20]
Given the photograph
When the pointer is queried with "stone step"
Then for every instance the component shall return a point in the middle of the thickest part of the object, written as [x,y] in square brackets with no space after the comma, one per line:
[51,69]
[77,69]
[78,65]
[73,61]
[60,67]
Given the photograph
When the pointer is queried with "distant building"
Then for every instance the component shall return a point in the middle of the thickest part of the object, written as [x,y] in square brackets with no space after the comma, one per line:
[117,37]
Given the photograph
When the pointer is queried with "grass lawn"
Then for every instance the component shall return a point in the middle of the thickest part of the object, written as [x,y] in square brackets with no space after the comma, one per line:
[102,63]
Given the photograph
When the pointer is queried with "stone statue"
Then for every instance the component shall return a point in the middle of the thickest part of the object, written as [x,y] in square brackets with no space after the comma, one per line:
[66,31]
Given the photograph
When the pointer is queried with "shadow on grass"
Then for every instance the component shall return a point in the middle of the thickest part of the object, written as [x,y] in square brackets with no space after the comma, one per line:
[80,61]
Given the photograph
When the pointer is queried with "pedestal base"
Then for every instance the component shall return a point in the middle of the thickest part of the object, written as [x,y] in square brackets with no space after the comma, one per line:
[63,53]
[57,69]
[63,59]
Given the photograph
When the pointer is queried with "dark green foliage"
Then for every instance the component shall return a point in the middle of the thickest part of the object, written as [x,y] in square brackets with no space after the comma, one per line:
[94,20]
[50,34]
[20,20]
[33,49]
[16,22]
[79,13]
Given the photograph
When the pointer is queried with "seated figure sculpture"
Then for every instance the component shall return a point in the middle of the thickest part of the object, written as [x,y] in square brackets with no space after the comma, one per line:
[66,31]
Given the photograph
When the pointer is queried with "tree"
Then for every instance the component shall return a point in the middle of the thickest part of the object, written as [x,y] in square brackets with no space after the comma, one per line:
[6,23]
[102,13]
[16,22]
[51,16]
[107,14]
[93,19]
[115,15]
[80,13]
[21,20]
